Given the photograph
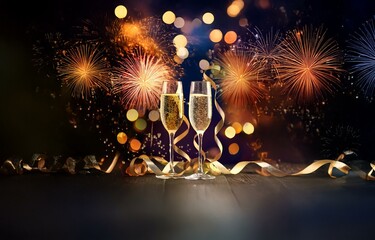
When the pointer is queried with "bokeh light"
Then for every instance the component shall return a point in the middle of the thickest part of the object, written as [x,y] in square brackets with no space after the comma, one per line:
[169,17]
[230,132]
[233,148]
[230,37]
[208,18]
[140,124]
[132,115]
[233,10]
[154,115]
[239,3]
[179,22]
[243,22]
[180,41]
[248,128]
[237,126]
[122,137]
[182,52]
[135,145]
[177,59]
[121,11]
[204,64]
[216,35]
[263,4]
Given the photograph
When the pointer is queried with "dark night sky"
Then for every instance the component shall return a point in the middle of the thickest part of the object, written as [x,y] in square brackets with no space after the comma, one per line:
[29,125]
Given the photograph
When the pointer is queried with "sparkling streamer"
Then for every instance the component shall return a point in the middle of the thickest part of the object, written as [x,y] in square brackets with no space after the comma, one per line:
[220,124]
[180,137]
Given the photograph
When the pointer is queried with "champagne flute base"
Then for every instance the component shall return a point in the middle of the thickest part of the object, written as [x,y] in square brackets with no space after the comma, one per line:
[170,176]
[197,176]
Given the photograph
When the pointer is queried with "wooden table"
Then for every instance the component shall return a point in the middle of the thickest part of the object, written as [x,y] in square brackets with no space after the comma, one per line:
[243,206]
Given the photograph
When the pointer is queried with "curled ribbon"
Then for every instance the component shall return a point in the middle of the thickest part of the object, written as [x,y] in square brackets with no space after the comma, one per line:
[111,166]
[147,165]
[180,137]
[369,174]
[220,124]
[269,170]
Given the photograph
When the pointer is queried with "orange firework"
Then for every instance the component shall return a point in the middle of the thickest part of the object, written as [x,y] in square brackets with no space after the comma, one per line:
[150,36]
[242,82]
[148,33]
[309,64]
[83,69]
[139,79]
[134,35]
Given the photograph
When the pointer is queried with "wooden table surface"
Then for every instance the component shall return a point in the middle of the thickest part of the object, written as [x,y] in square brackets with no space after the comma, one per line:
[242,206]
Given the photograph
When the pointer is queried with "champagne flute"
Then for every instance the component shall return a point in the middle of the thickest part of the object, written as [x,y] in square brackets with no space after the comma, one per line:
[171,113]
[200,114]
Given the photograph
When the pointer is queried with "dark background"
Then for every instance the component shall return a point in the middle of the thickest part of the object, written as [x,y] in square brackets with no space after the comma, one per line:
[33,121]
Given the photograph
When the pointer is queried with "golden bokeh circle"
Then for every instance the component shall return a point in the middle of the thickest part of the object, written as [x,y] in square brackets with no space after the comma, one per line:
[135,145]
[180,41]
[182,52]
[122,137]
[121,11]
[132,115]
[230,132]
[208,18]
[233,148]
[248,128]
[237,127]
[216,35]
[233,10]
[169,17]
[230,37]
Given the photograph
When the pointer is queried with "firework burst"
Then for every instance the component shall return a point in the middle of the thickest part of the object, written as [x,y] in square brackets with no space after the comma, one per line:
[267,50]
[139,80]
[149,34]
[241,82]
[83,69]
[362,56]
[309,64]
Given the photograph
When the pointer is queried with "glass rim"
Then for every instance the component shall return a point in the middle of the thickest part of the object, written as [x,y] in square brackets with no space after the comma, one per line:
[202,81]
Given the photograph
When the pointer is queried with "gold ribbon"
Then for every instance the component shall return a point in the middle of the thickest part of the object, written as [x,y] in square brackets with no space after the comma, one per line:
[111,166]
[217,168]
[369,174]
[269,170]
[220,124]
[147,165]
[180,137]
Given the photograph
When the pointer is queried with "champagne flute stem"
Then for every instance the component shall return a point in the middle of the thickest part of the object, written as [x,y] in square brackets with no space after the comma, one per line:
[200,156]
[171,151]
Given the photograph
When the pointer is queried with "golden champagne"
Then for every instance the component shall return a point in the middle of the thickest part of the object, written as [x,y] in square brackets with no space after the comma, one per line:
[200,111]
[171,111]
